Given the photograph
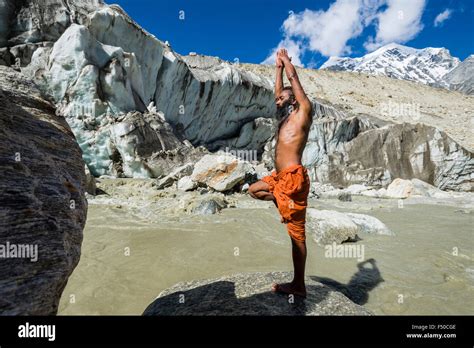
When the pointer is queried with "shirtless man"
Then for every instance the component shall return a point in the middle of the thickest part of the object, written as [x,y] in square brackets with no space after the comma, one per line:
[288,185]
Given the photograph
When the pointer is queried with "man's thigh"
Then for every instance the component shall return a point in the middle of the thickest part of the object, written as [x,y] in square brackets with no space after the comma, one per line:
[259,186]
[260,190]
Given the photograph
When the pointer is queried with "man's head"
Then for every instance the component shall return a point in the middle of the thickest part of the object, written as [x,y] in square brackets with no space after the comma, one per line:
[285,102]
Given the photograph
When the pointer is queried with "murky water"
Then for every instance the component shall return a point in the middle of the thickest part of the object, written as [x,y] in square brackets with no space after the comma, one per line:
[426,268]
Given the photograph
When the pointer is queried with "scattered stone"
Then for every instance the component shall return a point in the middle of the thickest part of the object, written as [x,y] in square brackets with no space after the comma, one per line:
[203,190]
[345,197]
[261,171]
[331,194]
[186,184]
[371,193]
[463,211]
[175,175]
[356,189]
[209,206]
[90,181]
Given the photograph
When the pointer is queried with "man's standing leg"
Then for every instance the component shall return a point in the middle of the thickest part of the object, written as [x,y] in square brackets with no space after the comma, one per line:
[297,285]
[299,263]
[295,217]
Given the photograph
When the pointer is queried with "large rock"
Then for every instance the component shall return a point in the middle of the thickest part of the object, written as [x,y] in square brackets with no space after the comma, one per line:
[400,188]
[422,188]
[250,295]
[328,226]
[221,171]
[42,180]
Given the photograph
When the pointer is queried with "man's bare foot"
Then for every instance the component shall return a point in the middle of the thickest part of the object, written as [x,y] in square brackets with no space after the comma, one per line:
[289,289]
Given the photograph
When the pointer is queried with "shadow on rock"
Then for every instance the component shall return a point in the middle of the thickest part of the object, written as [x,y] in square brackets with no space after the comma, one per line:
[249,294]
[360,284]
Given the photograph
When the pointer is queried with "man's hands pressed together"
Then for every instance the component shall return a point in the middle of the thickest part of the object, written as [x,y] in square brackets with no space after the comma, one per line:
[282,57]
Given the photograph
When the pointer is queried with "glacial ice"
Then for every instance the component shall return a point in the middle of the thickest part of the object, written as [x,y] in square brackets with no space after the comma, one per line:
[137,108]
[99,71]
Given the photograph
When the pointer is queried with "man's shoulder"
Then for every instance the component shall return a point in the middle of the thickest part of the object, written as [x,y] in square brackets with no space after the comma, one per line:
[304,116]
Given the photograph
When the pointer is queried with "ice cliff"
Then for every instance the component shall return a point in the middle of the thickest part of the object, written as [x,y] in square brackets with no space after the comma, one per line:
[137,108]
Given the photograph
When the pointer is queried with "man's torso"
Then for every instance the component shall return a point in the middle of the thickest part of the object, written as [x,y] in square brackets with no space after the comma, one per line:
[291,141]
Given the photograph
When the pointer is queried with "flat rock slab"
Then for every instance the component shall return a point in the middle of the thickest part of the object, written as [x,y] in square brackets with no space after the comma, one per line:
[250,294]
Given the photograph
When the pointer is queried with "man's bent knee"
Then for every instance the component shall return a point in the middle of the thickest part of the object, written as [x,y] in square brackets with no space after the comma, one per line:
[259,190]
[252,189]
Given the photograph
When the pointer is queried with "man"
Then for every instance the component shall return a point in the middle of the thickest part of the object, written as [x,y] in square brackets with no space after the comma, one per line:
[288,185]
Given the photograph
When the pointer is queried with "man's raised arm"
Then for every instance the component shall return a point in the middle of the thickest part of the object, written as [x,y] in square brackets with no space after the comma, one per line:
[298,90]
[279,76]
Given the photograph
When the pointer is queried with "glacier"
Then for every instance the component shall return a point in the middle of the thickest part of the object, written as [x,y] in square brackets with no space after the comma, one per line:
[100,70]
[139,109]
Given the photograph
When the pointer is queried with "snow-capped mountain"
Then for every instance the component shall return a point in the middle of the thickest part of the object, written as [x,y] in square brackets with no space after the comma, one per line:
[461,78]
[428,65]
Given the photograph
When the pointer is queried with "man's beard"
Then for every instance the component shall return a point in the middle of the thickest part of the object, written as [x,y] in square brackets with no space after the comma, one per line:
[284,111]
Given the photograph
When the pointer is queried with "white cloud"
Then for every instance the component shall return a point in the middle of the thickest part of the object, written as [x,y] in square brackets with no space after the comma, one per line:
[399,22]
[295,51]
[328,32]
[446,14]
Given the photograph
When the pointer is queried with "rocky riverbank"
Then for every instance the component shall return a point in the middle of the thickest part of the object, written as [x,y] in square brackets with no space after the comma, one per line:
[140,241]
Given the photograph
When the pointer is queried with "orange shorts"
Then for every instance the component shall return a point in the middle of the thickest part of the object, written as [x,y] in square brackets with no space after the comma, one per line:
[291,188]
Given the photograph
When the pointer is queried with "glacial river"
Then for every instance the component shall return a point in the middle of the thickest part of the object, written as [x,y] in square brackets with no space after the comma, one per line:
[426,268]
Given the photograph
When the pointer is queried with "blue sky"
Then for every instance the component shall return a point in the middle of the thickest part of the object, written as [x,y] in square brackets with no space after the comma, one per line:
[312,30]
